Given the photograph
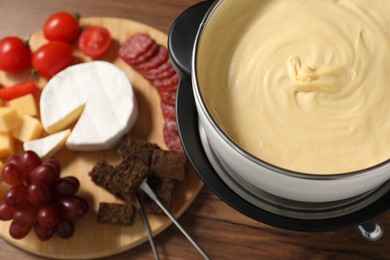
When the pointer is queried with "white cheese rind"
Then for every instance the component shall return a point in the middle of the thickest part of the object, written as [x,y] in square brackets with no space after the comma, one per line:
[110,108]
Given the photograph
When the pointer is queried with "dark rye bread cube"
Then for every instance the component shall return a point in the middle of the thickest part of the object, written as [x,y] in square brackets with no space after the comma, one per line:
[135,148]
[168,165]
[100,172]
[163,188]
[122,180]
[100,175]
[126,178]
[115,213]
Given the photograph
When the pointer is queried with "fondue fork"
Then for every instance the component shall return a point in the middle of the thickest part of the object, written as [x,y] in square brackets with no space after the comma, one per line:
[141,210]
[146,188]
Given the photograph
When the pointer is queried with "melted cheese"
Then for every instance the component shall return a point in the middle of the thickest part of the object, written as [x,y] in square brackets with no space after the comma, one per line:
[301,84]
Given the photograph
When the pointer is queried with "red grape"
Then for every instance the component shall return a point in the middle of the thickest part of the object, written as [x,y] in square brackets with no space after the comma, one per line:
[14,159]
[43,173]
[18,231]
[35,196]
[44,233]
[6,212]
[55,165]
[25,215]
[48,217]
[84,202]
[29,161]
[38,194]
[15,196]
[73,207]
[65,228]
[64,188]
[12,174]
[74,180]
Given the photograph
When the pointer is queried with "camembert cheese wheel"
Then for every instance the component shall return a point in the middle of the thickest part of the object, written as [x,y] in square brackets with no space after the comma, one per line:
[97,95]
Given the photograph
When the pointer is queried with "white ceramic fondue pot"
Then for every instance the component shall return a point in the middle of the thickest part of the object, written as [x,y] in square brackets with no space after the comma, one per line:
[258,173]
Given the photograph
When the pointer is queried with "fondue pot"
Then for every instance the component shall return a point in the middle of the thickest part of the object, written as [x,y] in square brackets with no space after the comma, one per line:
[262,191]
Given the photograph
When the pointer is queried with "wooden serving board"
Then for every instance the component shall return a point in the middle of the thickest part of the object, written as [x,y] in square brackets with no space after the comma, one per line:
[92,240]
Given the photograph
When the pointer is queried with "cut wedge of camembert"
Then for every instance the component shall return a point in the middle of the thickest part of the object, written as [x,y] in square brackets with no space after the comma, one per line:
[48,146]
[98,96]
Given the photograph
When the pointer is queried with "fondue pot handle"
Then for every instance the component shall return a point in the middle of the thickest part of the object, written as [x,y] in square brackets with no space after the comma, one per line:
[181,37]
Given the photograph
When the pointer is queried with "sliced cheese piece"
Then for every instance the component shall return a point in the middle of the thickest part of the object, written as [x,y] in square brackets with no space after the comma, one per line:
[48,146]
[6,145]
[9,119]
[103,97]
[24,105]
[30,128]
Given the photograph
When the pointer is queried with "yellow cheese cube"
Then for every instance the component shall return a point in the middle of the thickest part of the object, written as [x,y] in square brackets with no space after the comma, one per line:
[29,129]
[9,119]
[4,187]
[24,105]
[6,145]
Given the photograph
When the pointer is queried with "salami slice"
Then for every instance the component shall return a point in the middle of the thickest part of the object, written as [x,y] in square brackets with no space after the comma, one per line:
[163,75]
[171,136]
[160,69]
[145,57]
[135,46]
[158,59]
[169,111]
[168,98]
[152,61]
[168,84]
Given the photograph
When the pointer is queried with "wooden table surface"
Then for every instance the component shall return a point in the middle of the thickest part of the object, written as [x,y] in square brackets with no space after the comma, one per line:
[223,232]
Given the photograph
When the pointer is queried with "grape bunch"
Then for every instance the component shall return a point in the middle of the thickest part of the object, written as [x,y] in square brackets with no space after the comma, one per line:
[34,196]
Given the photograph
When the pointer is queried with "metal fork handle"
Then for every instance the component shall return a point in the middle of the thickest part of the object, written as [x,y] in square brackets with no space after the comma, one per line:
[141,210]
[153,196]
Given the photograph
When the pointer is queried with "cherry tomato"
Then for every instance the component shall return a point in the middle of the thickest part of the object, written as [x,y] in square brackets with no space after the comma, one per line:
[51,58]
[18,90]
[15,55]
[94,41]
[61,26]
